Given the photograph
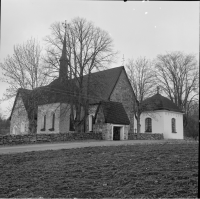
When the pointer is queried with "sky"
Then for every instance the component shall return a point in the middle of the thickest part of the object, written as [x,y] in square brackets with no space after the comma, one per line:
[138,28]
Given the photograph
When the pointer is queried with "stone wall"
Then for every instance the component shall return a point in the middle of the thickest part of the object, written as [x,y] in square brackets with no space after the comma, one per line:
[19,123]
[126,128]
[100,125]
[101,128]
[42,138]
[146,136]
[91,111]
[123,93]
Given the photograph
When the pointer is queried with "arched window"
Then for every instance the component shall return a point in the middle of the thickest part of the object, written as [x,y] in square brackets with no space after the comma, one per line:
[148,125]
[44,123]
[52,121]
[173,125]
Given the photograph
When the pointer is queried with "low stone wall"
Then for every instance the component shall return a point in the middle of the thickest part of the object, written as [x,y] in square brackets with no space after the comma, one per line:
[146,136]
[42,138]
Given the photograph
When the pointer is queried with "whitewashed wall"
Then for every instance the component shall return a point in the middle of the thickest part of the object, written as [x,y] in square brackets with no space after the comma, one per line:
[157,121]
[161,123]
[65,117]
[47,110]
[168,115]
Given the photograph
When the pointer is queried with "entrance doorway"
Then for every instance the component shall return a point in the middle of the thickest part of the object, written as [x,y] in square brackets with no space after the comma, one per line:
[116,132]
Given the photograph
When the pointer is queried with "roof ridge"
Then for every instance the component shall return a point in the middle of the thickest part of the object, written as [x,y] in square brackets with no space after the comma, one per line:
[102,71]
[114,68]
[108,69]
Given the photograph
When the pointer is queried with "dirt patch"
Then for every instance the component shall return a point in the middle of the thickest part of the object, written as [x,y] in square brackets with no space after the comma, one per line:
[161,170]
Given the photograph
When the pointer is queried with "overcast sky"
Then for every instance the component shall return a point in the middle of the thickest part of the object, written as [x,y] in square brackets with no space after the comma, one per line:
[137,28]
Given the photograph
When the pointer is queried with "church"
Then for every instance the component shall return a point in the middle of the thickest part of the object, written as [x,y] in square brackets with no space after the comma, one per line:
[47,109]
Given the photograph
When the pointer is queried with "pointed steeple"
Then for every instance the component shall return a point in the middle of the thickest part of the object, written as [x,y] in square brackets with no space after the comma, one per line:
[64,56]
[158,89]
[63,71]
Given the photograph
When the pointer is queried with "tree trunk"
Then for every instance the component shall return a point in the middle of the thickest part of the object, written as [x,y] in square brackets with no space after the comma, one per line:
[138,124]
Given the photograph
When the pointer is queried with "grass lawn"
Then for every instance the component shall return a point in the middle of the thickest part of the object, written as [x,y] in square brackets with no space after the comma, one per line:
[156,170]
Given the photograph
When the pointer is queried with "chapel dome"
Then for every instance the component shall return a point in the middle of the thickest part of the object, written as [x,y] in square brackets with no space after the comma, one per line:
[158,102]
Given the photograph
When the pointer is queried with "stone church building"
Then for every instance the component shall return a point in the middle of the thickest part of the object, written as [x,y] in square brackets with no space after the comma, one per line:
[46,110]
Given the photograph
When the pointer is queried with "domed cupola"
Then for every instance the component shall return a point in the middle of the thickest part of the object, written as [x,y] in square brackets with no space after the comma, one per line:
[158,102]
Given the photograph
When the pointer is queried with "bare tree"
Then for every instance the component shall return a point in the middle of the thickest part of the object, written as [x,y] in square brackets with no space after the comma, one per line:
[4,124]
[178,76]
[24,68]
[192,128]
[141,77]
[87,47]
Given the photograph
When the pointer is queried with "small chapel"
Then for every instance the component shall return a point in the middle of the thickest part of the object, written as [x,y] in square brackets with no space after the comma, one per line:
[46,110]
[163,116]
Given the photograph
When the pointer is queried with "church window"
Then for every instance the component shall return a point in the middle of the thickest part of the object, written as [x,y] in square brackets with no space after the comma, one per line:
[52,122]
[44,123]
[71,125]
[173,125]
[148,125]
[90,123]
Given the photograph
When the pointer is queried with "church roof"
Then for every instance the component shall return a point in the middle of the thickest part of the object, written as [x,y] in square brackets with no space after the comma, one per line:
[101,83]
[61,90]
[158,102]
[114,112]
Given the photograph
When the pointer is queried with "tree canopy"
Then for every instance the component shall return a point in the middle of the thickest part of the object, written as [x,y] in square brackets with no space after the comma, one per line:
[24,69]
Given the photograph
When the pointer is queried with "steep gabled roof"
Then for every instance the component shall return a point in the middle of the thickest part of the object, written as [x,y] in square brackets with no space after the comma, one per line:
[39,96]
[158,102]
[101,83]
[114,112]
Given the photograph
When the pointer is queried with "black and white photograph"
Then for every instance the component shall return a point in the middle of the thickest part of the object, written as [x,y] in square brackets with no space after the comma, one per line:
[99,99]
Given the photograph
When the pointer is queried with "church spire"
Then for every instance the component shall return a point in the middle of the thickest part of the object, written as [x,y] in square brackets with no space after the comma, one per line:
[158,89]
[63,71]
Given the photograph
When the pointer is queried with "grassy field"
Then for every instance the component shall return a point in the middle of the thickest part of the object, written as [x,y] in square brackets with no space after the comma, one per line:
[153,171]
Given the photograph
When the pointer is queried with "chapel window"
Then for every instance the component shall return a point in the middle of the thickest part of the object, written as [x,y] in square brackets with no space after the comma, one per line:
[148,125]
[173,125]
